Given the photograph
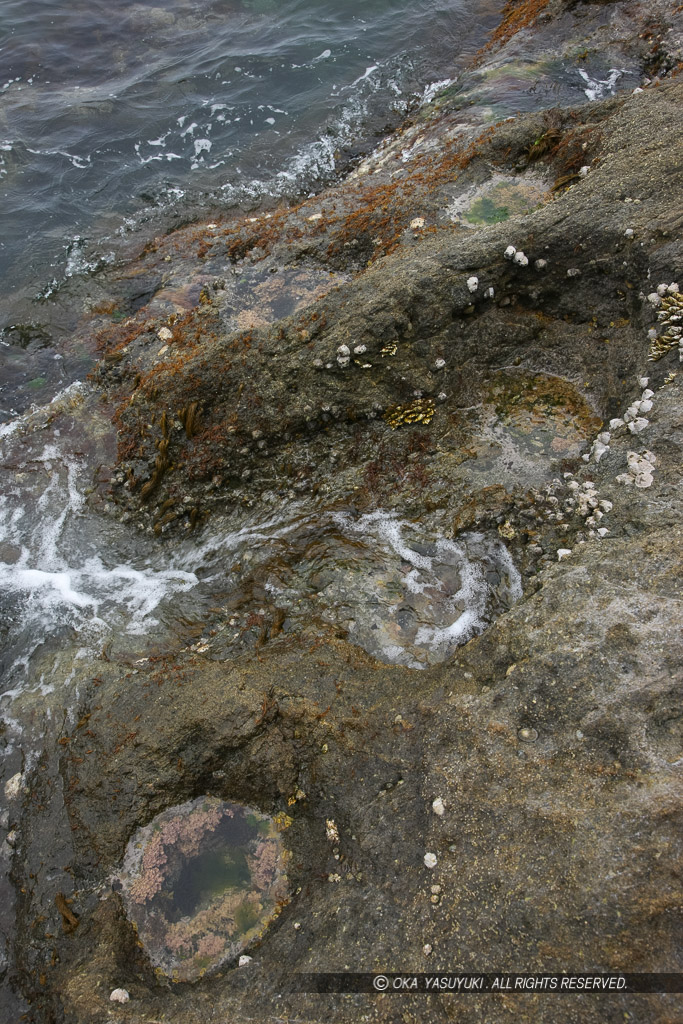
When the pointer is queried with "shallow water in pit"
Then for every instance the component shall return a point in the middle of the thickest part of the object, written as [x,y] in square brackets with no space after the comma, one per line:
[201,882]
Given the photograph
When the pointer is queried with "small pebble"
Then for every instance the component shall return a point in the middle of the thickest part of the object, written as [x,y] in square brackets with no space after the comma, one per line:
[119,995]
[14,786]
[563,553]
[426,949]
[417,223]
[430,860]
[438,807]
[244,960]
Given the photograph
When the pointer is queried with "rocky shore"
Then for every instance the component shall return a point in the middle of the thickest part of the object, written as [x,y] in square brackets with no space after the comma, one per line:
[477,330]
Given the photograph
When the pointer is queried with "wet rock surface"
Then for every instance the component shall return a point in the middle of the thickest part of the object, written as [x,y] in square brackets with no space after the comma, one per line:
[538,762]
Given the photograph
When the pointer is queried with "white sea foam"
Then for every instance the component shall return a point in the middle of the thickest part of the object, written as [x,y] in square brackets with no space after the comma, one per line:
[58,566]
[596,89]
[434,89]
[471,607]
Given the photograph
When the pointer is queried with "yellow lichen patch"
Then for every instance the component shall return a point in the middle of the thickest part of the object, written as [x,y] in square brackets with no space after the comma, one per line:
[419,411]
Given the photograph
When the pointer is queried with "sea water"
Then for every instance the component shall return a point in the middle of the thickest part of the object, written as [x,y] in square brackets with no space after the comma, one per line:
[107,115]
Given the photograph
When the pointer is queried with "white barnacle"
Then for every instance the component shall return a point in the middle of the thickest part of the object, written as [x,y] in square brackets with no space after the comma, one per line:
[541,264]
[343,355]
[509,252]
[520,259]
[473,283]
[438,807]
[638,425]
[430,860]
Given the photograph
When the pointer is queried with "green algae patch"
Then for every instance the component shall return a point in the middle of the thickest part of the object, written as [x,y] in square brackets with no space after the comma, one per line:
[201,882]
[498,199]
[485,211]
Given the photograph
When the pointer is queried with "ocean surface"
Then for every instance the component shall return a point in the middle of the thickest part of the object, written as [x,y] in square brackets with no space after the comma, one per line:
[109,112]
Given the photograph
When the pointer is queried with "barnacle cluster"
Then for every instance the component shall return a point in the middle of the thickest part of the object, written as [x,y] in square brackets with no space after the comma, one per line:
[670,317]
[419,411]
